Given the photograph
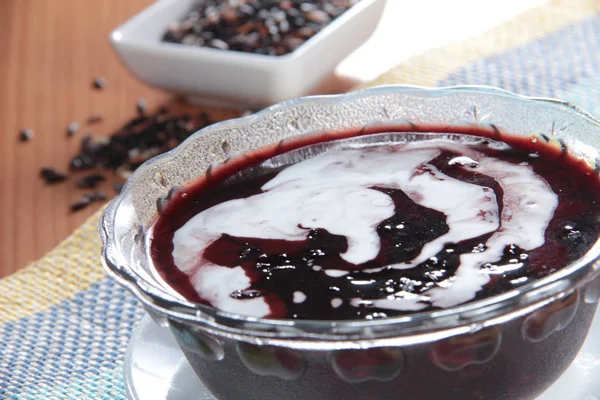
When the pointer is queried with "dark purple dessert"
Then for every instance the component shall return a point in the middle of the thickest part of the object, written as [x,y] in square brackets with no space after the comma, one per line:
[376,230]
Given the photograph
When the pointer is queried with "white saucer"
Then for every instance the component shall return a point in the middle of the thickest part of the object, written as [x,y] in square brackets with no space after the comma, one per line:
[155,369]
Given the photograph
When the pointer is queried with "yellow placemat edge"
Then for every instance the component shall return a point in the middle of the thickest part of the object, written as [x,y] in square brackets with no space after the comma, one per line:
[73,266]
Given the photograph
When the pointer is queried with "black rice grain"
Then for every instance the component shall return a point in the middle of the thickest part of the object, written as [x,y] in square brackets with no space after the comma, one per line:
[52,176]
[72,128]
[99,83]
[25,135]
[80,204]
[90,181]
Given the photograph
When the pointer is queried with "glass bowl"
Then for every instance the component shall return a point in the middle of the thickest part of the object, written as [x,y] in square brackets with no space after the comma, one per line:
[508,346]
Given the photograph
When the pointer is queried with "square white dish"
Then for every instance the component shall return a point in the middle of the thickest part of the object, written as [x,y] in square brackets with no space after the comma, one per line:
[215,76]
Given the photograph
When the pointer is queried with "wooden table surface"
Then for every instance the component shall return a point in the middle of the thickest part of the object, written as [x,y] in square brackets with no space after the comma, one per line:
[50,51]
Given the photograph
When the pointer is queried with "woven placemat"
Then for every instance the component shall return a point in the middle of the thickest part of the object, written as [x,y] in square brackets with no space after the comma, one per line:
[64,325]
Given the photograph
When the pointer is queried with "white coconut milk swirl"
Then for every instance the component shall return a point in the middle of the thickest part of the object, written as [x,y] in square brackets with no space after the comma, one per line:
[332,191]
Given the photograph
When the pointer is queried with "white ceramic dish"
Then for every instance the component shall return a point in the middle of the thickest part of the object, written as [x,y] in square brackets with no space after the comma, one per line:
[171,377]
[243,79]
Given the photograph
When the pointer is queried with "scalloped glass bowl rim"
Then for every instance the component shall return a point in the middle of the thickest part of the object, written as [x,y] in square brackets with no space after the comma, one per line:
[468,317]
